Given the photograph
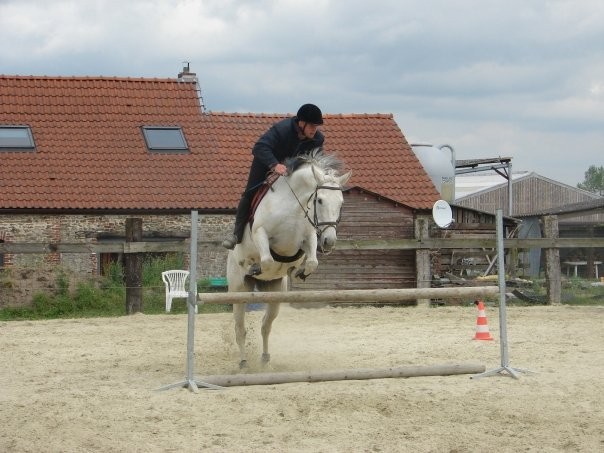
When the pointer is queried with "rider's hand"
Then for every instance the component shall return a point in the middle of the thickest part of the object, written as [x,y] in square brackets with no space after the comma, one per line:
[280,169]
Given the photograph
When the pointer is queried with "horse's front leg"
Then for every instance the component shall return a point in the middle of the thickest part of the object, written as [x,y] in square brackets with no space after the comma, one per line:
[260,238]
[240,332]
[309,246]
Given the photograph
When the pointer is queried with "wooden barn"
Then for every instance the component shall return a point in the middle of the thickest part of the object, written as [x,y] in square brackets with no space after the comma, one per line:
[366,215]
[369,216]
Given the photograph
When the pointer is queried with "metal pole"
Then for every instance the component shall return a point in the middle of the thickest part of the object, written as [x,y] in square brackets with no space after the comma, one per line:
[191,304]
[503,327]
[510,195]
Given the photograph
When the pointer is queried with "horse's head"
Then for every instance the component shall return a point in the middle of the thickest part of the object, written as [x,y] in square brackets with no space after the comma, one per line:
[320,173]
[327,206]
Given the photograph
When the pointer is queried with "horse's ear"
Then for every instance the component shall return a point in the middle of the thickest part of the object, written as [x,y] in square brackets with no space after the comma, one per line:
[342,180]
[319,176]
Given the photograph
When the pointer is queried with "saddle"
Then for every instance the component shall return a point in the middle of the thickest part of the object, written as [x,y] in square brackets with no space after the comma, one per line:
[256,199]
[260,193]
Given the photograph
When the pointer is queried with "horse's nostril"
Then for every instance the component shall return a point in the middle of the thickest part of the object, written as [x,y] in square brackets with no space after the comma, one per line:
[328,242]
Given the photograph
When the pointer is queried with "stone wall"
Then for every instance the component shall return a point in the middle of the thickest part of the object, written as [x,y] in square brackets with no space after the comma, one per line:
[23,275]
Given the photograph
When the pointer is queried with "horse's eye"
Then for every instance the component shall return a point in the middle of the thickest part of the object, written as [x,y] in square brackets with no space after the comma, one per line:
[320,201]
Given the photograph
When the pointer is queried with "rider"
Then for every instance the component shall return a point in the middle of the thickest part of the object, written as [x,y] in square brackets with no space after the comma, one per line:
[286,138]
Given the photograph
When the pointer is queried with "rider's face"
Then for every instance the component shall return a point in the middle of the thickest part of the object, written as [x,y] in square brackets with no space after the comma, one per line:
[308,129]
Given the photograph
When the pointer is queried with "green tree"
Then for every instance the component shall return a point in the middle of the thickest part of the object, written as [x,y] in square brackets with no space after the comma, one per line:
[594,180]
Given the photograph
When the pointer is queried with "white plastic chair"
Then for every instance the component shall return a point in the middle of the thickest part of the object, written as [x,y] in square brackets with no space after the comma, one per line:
[175,282]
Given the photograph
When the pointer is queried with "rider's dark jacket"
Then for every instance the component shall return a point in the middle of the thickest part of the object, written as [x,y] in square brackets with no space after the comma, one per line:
[277,144]
[274,146]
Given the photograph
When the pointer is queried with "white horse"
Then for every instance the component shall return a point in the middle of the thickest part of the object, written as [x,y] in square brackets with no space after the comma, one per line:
[299,214]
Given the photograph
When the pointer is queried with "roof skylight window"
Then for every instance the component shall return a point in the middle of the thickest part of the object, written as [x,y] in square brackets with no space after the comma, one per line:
[165,139]
[16,138]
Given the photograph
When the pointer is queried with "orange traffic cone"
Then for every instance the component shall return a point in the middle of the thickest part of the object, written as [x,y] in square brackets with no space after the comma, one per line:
[482,328]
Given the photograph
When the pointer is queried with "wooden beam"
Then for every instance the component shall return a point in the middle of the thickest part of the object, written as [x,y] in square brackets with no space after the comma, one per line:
[422,256]
[134,268]
[389,244]
[230,380]
[552,261]
[466,243]
[350,296]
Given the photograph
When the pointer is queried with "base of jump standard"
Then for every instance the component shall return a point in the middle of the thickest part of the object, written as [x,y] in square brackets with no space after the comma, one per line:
[231,380]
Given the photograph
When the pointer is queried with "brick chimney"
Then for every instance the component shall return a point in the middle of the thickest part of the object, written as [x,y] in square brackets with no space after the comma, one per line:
[186,75]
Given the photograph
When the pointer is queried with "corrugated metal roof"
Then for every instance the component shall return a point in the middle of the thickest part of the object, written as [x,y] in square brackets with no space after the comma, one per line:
[587,207]
[473,183]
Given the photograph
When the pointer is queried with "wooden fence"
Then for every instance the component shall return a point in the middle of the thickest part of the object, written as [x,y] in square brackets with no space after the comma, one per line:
[133,248]
[390,244]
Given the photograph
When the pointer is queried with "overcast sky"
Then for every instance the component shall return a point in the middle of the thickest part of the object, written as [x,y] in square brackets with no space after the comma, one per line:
[511,78]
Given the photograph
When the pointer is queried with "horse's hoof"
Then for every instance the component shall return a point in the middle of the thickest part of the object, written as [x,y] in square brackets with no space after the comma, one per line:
[243,365]
[266,358]
[254,270]
[301,275]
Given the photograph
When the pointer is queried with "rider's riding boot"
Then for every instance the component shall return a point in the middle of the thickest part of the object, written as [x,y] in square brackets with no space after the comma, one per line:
[230,242]
[240,221]
[235,238]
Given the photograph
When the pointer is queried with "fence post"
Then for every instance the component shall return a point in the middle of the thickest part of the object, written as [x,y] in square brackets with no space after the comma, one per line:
[422,257]
[552,261]
[134,268]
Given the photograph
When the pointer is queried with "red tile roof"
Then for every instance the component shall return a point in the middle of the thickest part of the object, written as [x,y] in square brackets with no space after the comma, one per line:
[90,152]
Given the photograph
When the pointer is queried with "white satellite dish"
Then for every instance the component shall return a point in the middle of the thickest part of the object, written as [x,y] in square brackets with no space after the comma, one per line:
[442,214]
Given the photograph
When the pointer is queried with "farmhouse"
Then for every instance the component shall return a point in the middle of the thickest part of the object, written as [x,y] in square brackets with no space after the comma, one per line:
[81,155]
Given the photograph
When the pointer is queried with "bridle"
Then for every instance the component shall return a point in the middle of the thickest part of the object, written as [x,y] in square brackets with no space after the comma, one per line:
[319,227]
[316,223]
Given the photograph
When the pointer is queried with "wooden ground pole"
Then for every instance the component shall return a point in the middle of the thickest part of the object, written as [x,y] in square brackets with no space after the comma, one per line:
[230,380]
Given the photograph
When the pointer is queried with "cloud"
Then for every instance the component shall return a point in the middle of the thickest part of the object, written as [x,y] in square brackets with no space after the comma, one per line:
[520,77]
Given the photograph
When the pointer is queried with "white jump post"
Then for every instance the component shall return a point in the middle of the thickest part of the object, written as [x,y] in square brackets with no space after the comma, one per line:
[190,381]
[503,325]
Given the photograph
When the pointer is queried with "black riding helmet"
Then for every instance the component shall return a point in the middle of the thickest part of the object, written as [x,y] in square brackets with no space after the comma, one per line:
[310,113]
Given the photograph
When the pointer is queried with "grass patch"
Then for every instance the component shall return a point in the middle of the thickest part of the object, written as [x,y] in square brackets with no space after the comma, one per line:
[574,291]
[107,297]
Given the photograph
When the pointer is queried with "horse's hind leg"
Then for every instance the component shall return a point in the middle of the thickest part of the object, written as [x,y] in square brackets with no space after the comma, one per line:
[240,332]
[271,312]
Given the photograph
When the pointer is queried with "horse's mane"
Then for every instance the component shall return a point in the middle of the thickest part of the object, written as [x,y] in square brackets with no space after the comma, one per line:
[329,163]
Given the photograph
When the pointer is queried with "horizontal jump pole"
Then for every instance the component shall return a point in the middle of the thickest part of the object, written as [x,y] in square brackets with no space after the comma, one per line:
[231,380]
[347,296]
